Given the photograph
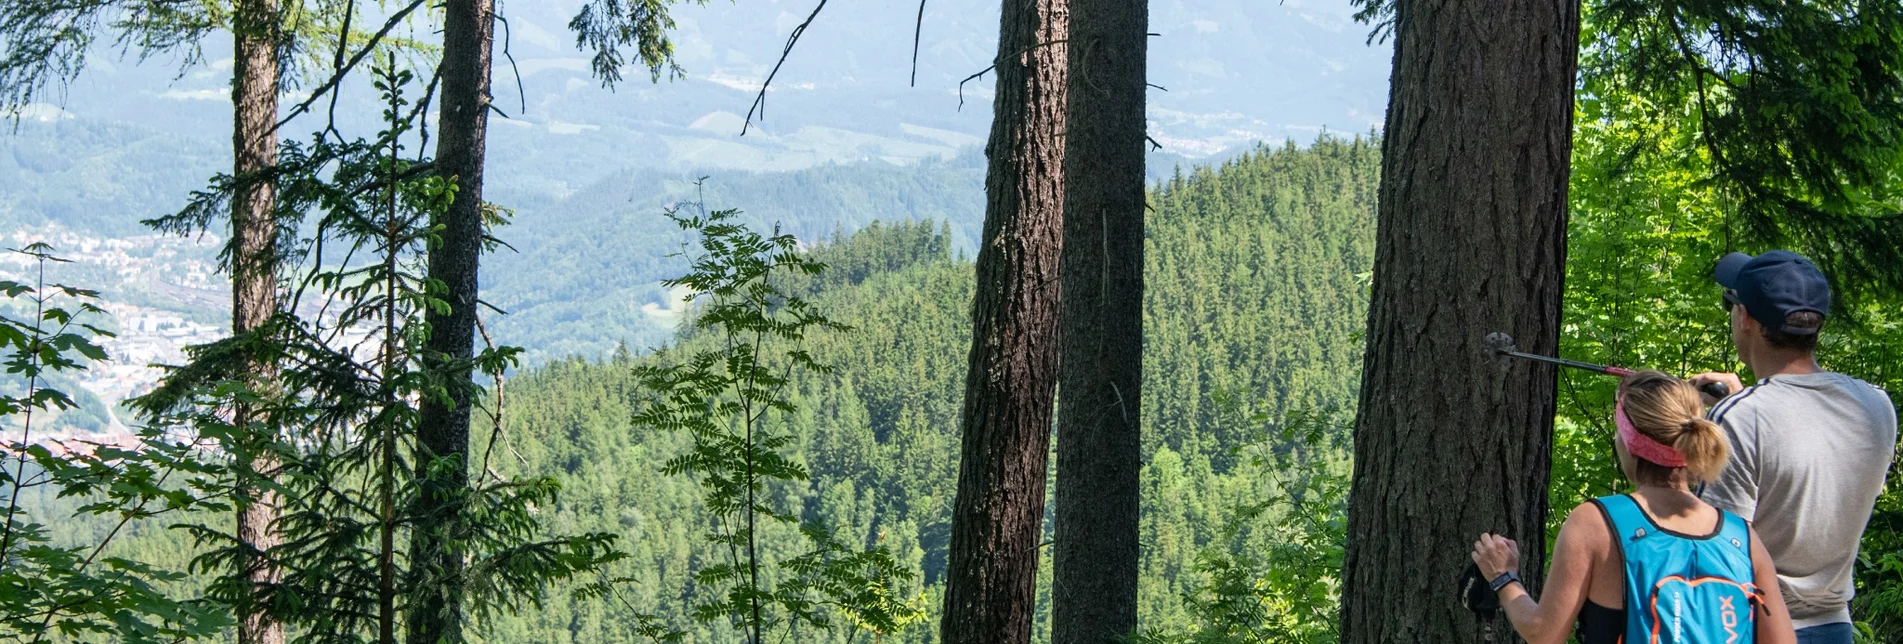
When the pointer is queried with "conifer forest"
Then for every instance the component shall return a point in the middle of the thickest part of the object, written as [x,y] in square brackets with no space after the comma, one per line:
[599,321]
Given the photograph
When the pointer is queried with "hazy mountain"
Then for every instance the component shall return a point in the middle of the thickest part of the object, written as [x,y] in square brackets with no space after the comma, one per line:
[1236,71]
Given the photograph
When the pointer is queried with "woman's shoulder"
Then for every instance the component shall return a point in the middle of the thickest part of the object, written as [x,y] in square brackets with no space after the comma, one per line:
[1587,527]
[1590,512]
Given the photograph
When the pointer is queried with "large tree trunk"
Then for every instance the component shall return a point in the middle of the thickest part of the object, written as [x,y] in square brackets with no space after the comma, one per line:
[998,516]
[435,608]
[254,148]
[1451,441]
[1099,448]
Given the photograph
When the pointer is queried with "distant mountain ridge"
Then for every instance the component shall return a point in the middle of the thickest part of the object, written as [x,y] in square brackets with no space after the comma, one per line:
[1236,72]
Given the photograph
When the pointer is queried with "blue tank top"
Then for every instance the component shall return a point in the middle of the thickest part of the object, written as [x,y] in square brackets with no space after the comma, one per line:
[1680,588]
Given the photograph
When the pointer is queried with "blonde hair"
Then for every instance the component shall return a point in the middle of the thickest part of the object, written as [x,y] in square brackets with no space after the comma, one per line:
[1667,410]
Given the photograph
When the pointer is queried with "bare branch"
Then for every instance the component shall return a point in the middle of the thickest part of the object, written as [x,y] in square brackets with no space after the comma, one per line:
[337,66]
[994,65]
[519,92]
[759,102]
[961,84]
[422,108]
[917,29]
[337,78]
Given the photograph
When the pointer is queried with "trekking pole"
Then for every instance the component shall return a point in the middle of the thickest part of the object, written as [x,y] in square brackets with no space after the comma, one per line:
[1502,344]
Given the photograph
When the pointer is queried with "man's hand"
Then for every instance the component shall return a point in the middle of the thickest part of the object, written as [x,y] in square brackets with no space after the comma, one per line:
[1495,555]
[1729,380]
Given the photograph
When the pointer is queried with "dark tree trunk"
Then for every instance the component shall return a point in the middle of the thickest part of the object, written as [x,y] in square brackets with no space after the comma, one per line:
[998,516]
[1450,441]
[435,608]
[1099,448]
[254,275]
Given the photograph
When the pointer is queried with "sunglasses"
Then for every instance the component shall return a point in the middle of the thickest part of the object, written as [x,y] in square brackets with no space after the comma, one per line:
[1731,299]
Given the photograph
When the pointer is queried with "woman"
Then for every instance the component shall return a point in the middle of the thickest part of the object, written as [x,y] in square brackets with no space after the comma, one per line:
[1657,565]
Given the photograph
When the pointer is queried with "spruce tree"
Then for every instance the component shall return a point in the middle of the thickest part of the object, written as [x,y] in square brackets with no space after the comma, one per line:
[1099,439]
[435,606]
[256,38]
[1449,441]
[1011,372]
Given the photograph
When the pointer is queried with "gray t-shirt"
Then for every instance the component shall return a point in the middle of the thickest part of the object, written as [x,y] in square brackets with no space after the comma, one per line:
[1808,458]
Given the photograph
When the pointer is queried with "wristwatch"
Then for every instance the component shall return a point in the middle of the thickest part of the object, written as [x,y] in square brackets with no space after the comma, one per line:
[1505,578]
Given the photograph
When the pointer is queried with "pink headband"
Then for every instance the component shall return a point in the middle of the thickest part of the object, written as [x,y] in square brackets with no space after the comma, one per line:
[1644,446]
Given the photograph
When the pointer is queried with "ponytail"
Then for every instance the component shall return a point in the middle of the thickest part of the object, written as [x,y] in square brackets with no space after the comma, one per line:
[1704,448]
[1667,410]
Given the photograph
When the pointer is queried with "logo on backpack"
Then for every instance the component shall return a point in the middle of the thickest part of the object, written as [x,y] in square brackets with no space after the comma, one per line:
[1701,604]
[1730,619]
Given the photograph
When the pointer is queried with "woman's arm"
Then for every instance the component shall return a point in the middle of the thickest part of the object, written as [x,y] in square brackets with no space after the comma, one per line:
[1774,624]
[1582,541]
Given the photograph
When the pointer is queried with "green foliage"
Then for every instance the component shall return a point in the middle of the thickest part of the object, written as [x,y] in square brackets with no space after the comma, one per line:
[1797,109]
[726,398]
[1254,291]
[572,417]
[48,42]
[54,590]
[1645,229]
[1273,576]
[607,26]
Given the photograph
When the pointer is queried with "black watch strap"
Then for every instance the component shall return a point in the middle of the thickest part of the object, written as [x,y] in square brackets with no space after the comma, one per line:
[1501,581]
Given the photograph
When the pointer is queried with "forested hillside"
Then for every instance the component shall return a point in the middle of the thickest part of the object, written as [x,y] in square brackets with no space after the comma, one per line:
[101,178]
[1257,295]
[582,274]
[582,269]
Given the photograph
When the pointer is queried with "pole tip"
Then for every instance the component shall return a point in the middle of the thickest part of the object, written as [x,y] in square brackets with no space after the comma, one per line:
[1497,343]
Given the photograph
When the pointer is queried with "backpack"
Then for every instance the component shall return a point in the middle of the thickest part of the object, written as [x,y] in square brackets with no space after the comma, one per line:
[1680,588]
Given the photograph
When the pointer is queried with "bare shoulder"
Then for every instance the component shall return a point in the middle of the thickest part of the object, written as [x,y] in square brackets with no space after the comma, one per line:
[1586,529]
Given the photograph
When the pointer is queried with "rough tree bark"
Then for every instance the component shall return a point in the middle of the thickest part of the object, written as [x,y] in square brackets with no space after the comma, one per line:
[435,606]
[1450,441]
[998,515]
[1099,446]
[254,263]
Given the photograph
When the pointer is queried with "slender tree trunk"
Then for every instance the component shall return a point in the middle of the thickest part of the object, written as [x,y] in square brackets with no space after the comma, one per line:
[254,147]
[998,516]
[386,542]
[435,609]
[1099,446]
[1451,441]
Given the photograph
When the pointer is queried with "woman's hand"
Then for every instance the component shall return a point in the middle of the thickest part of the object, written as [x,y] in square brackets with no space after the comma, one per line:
[1496,555]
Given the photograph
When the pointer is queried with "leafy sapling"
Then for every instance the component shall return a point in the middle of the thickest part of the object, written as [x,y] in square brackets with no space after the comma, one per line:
[732,400]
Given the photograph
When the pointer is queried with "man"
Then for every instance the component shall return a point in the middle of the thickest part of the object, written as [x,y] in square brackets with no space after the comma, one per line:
[1809,447]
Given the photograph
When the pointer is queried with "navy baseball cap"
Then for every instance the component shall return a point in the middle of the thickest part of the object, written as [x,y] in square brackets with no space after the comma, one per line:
[1774,285]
